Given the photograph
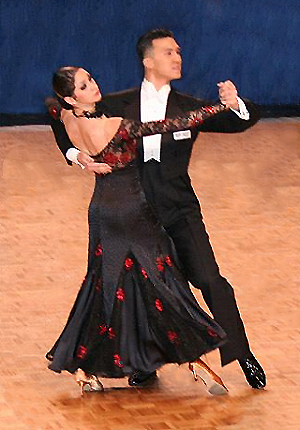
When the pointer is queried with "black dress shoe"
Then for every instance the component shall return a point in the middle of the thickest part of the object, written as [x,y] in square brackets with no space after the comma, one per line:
[253,372]
[142,379]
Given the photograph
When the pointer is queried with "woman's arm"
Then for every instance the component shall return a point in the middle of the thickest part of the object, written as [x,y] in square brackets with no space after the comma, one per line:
[192,119]
[93,134]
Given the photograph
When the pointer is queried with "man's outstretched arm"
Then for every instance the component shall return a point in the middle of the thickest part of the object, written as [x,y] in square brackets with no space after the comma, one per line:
[59,131]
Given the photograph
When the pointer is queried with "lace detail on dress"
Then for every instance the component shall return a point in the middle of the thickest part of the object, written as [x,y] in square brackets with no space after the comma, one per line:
[121,150]
[192,119]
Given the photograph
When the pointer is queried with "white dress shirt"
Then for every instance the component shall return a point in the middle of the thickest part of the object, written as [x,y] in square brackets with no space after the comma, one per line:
[153,108]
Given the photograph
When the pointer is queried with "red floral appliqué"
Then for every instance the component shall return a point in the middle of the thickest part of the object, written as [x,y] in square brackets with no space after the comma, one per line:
[120,294]
[209,109]
[54,111]
[144,273]
[168,260]
[128,263]
[102,329]
[81,351]
[131,145]
[123,134]
[99,250]
[111,333]
[110,158]
[159,305]
[98,284]
[117,360]
[173,336]
[196,122]
[124,158]
[159,264]
[211,332]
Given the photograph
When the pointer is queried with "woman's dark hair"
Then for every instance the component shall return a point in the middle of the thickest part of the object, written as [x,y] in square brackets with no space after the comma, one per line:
[63,84]
[145,41]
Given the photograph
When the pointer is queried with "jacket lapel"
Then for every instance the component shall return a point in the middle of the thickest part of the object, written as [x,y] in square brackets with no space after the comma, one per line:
[173,110]
[173,107]
[132,110]
[132,106]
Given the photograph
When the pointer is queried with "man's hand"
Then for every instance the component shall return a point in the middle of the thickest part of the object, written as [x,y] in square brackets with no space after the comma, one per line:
[89,164]
[228,95]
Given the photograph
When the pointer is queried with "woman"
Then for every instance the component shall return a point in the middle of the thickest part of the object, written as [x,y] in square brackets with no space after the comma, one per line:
[134,310]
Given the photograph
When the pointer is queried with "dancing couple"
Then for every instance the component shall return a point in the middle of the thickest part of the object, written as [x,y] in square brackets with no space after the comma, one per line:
[135,311]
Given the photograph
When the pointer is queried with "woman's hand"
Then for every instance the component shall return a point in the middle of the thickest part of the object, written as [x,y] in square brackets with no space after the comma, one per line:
[89,164]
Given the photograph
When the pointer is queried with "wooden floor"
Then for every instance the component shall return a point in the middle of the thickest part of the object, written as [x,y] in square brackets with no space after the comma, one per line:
[249,187]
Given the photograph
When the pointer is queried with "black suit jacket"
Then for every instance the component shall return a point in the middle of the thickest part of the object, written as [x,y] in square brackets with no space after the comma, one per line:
[167,184]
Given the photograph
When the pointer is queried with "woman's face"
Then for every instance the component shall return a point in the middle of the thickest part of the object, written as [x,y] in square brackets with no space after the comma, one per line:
[86,89]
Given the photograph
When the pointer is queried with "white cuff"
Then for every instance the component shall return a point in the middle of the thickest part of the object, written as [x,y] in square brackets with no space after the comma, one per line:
[243,111]
[71,155]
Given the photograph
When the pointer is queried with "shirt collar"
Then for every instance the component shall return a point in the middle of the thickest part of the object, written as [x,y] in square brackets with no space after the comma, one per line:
[150,89]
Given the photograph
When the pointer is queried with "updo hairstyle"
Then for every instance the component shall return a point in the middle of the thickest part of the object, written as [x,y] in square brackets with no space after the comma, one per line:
[63,83]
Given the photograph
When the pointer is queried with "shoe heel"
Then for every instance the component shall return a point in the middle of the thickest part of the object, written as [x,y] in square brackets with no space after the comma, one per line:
[214,384]
[81,385]
[192,369]
[88,382]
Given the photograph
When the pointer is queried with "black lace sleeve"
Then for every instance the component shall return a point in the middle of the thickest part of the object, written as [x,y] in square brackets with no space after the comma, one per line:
[193,119]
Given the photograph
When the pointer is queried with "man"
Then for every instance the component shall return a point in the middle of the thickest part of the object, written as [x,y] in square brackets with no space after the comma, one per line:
[163,167]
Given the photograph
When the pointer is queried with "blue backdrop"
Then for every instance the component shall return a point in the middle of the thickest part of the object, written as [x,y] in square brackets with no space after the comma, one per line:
[255,43]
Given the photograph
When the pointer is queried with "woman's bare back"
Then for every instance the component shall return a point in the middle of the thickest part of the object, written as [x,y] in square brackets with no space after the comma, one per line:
[90,135]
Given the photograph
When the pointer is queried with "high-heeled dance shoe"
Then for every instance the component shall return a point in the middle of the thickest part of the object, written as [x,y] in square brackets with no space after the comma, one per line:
[88,383]
[210,379]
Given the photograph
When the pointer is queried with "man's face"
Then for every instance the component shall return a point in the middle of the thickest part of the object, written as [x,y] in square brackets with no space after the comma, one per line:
[164,59]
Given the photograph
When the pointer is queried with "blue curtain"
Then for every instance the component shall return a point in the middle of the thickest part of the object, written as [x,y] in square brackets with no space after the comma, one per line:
[255,43]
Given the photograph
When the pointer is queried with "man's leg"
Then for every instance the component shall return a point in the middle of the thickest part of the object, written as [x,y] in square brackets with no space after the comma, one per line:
[200,268]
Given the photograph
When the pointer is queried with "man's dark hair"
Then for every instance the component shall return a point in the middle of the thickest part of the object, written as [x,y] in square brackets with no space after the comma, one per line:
[145,41]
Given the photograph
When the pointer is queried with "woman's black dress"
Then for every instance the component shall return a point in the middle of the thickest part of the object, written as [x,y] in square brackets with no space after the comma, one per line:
[134,309]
